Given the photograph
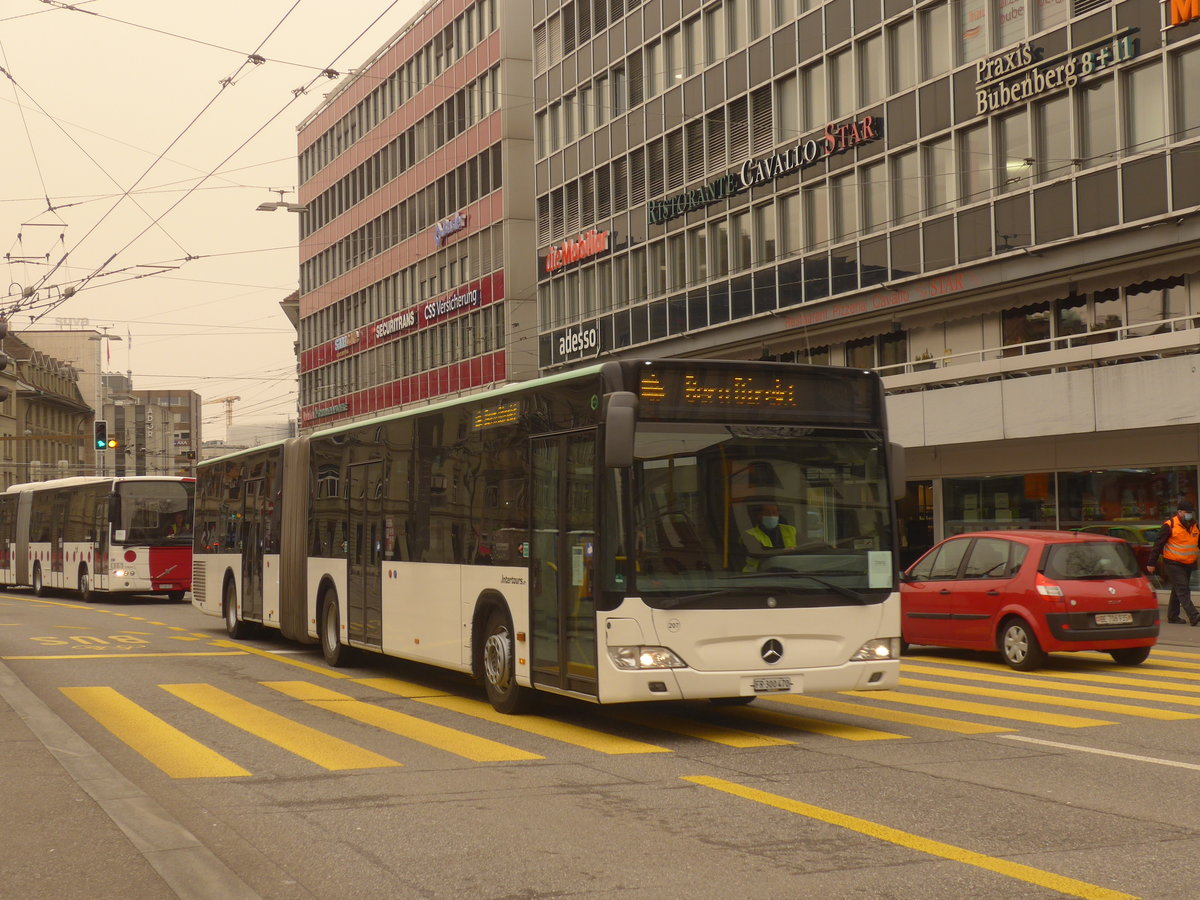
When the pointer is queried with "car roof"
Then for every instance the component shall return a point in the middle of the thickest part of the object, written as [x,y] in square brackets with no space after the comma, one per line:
[1030,535]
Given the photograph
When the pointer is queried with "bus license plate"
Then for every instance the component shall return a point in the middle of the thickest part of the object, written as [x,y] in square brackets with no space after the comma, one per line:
[1114,618]
[773,684]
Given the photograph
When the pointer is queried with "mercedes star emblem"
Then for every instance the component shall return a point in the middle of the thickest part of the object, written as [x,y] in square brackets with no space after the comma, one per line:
[772,651]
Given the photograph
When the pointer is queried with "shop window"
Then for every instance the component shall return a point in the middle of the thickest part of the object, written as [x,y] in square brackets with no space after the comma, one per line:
[998,502]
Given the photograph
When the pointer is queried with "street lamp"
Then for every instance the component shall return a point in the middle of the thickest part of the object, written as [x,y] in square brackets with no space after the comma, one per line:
[272,205]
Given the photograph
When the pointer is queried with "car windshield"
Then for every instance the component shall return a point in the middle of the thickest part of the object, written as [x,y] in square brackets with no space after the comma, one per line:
[1090,559]
[727,512]
[153,512]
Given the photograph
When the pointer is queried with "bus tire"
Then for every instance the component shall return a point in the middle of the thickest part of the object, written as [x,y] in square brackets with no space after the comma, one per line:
[39,586]
[234,627]
[499,667]
[85,586]
[176,596]
[335,652]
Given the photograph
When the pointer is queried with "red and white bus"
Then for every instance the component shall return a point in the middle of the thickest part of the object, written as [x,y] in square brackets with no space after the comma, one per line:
[584,534]
[97,535]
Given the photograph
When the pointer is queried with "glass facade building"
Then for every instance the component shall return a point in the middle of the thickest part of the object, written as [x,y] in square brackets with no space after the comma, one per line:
[992,202]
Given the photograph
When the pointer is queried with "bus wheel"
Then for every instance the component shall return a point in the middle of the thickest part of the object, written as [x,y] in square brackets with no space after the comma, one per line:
[499,668]
[335,652]
[176,596]
[85,587]
[39,588]
[234,627]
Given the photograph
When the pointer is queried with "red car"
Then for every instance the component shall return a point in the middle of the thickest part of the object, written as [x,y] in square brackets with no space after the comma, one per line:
[1026,593]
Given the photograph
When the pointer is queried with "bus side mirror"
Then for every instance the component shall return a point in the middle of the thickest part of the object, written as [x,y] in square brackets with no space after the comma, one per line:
[896,473]
[620,419]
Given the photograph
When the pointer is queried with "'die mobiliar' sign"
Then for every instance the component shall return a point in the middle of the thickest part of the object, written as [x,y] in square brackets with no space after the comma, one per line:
[753,172]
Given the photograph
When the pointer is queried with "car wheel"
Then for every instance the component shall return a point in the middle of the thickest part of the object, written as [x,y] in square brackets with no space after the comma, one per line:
[1130,656]
[1019,646]
[234,627]
[335,652]
[176,596]
[499,668]
[39,588]
[85,586]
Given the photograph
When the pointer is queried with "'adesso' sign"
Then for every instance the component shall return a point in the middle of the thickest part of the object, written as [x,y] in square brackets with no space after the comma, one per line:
[753,172]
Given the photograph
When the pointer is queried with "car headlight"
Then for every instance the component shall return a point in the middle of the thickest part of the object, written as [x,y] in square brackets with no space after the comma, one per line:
[881,648]
[645,658]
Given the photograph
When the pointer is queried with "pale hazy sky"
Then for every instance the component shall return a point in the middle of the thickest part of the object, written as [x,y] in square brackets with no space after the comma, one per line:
[114,93]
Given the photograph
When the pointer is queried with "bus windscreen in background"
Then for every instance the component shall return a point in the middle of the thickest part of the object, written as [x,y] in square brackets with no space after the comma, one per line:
[716,393]
[153,512]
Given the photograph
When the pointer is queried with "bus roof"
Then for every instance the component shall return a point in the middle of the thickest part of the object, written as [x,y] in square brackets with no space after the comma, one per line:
[78,480]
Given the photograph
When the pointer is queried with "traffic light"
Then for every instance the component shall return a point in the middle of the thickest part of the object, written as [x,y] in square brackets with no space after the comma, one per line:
[113,443]
[101,434]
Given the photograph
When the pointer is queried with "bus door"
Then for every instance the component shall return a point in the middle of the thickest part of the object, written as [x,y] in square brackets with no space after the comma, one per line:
[102,535]
[254,520]
[58,526]
[563,546]
[364,603]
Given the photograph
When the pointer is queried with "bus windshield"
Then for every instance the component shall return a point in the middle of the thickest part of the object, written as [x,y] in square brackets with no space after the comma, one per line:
[722,514]
[153,512]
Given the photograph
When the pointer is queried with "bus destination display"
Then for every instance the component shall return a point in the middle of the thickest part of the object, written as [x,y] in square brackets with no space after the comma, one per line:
[718,393]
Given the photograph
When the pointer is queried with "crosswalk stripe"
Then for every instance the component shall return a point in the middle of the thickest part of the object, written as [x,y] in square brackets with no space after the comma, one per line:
[817,726]
[1125,709]
[460,743]
[1188,670]
[704,731]
[994,711]
[316,746]
[407,689]
[565,732]
[957,726]
[1094,677]
[1106,691]
[176,754]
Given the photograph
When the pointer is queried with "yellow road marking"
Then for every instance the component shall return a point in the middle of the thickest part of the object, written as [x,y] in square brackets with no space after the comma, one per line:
[818,726]
[400,688]
[564,732]
[132,654]
[1154,662]
[890,715]
[1106,691]
[299,664]
[316,746]
[460,743]
[990,710]
[704,731]
[1028,874]
[1143,712]
[1070,676]
[164,745]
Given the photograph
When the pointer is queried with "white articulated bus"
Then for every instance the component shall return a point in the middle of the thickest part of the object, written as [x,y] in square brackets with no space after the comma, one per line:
[583,534]
[98,535]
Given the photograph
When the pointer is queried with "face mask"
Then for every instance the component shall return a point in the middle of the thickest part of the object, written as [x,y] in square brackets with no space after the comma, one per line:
[1187,517]
[770,522]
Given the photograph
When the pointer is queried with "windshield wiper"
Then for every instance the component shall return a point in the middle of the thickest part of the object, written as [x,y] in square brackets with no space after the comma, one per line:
[837,588]
[672,602]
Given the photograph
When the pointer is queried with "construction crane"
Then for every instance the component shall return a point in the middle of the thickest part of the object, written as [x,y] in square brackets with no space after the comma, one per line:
[228,401]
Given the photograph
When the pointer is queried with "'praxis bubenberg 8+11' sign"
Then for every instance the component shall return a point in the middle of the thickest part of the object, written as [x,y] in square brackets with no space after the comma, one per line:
[753,172]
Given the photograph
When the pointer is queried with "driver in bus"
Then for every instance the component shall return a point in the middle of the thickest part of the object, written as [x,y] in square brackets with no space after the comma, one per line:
[769,532]
[180,526]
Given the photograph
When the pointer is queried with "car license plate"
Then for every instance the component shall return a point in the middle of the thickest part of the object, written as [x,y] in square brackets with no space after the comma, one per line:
[1114,618]
[773,684]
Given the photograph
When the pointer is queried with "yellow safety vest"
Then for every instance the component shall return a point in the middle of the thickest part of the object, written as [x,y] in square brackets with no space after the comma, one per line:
[786,532]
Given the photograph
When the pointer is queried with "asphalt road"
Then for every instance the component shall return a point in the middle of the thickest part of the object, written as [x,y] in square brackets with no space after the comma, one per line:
[143,755]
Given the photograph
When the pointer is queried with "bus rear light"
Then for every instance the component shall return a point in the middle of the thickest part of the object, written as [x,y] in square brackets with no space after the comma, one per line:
[645,658]
[123,573]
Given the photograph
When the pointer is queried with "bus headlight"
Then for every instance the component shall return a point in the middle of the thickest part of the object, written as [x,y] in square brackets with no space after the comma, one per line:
[882,648]
[645,658]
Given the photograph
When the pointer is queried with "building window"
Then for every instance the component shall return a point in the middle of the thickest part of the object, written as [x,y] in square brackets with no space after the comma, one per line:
[1016,166]
[975,163]
[971,35]
[845,207]
[871,70]
[1144,101]
[939,174]
[906,181]
[935,40]
[813,89]
[902,55]
[1053,157]
[1098,122]
[841,85]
